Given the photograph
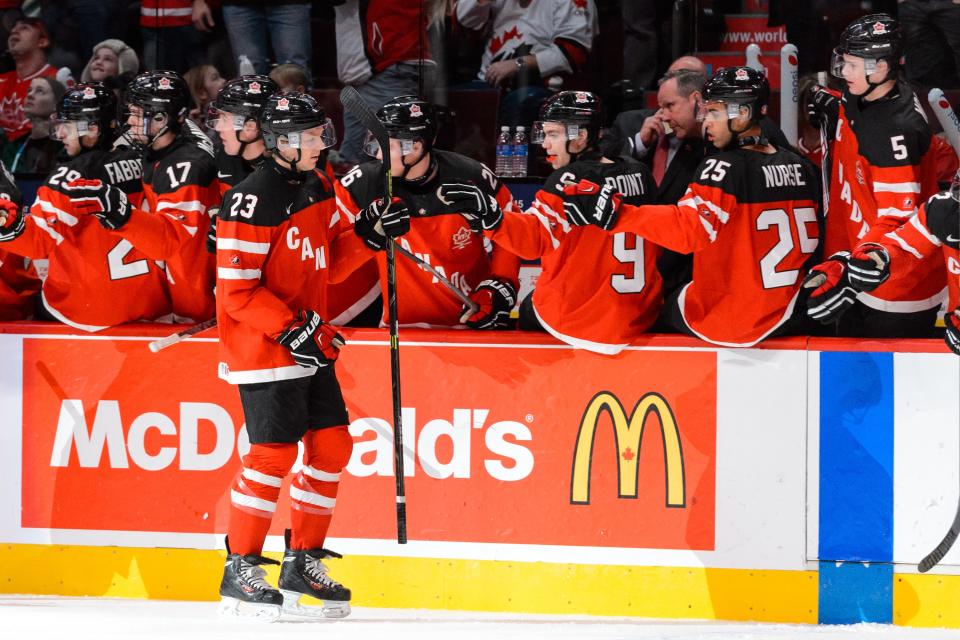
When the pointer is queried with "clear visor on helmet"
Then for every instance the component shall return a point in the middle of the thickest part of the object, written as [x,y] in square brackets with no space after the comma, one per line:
[62,129]
[844,65]
[717,111]
[371,146]
[553,131]
[316,139]
[218,120]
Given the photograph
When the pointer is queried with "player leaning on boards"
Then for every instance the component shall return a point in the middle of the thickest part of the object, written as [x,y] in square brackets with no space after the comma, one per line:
[95,280]
[882,168]
[275,256]
[597,291]
[421,216]
[749,218]
[179,185]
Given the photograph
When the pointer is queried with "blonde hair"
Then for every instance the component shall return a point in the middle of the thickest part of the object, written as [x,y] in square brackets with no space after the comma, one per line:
[289,74]
[194,79]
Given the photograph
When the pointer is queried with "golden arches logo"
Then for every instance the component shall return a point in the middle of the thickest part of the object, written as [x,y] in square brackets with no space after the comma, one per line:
[628,432]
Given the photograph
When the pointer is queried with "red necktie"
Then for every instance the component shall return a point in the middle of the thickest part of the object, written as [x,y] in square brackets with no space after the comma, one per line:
[660,155]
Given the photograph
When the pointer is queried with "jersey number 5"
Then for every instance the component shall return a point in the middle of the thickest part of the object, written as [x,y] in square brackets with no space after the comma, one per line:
[773,279]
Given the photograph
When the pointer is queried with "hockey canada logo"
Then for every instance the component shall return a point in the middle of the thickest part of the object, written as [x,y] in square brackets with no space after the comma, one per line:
[235,260]
[416,111]
[283,104]
[582,96]
[879,28]
[164,83]
[89,93]
[742,74]
[461,238]
[254,87]
[628,430]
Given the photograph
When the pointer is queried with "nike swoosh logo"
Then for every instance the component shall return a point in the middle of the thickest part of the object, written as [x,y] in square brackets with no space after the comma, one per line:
[223,175]
[952,239]
[288,208]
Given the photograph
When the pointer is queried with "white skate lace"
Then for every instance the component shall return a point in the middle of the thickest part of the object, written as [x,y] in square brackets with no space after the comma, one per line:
[254,576]
[318,571]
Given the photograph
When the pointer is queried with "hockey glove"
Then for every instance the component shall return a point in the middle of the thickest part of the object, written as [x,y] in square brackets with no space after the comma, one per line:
[12,221]
[952,336]
[943,219]
[832,294]
[868,267]
[311,341]
[494,298]
[823,108]
[379,221]
[95,197]
[588,203]
[481,210]
[212,230]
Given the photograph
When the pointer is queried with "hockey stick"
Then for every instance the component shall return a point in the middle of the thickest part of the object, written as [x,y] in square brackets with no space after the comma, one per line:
[464,298]
[163,343]
[353,102]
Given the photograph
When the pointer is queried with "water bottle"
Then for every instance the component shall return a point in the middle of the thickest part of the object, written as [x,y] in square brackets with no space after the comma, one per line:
[245,67]
[520,141]
[504,167]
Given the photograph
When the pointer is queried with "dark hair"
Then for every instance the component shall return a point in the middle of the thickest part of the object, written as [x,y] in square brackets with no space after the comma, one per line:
[688,81]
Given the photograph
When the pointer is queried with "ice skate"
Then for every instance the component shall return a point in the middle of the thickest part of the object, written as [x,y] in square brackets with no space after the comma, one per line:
[245,593]
[304,574]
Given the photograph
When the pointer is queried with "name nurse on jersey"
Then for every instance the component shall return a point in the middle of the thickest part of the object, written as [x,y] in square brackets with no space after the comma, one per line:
[783,175]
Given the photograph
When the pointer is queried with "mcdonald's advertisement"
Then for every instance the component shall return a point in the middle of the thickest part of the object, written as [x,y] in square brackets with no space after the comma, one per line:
[517,443]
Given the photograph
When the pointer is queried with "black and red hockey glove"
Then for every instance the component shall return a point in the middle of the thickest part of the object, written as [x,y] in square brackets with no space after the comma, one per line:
[868,267]
[480,209]
[95,197]
[832,294]
[12,221]
[311,341]
[587,203]
[952,336]
[943,218]
[380,221]
[823,108]
[495,298]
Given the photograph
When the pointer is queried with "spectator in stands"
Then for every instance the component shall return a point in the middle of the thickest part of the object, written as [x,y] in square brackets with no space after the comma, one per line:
[28,43]
[170,40]
[204,83]
[400,65]
[529,45]
[256,27]
[111,58]
[931,30]
[290,77]
[35,151]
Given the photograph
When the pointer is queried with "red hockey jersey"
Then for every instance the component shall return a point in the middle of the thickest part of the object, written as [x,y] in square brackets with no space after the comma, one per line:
[597,291]
[437,235]
[882,167]
[276,252]
[751,221]
[179,185]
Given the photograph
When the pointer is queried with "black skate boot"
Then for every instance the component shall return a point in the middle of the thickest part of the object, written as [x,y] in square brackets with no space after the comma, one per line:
[303,574]
[243,590]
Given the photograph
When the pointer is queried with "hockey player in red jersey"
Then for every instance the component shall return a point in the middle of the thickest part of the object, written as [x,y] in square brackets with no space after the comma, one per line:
[95,279]
[883,166]
[276,253]
[749,218]
[179,186]
[19,283]
[423,218]
[603,308]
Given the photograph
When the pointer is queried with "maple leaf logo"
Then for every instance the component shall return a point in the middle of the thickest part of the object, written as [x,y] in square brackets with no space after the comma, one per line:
[416,111]
[879,28]
[628,454]
[254,87]
[461,238]
[88,92]
[164,83]
[742,74]
[497,43]
[580,4]
[12,117]
[283,103]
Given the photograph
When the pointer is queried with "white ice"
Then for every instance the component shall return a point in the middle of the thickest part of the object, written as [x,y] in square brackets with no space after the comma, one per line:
[40,618]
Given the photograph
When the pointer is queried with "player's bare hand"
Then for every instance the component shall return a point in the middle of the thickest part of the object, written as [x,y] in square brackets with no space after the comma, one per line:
[500,72]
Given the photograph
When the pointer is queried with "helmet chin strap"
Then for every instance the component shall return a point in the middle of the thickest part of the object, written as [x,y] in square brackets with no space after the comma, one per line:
[426,175]
[873,85]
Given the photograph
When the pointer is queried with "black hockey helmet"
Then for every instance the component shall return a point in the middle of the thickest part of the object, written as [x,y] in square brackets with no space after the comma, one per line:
[159,92]
[738,87]
[85,104]
[244,96]
[875,37]
[577,111]
[409,118]
[289,114]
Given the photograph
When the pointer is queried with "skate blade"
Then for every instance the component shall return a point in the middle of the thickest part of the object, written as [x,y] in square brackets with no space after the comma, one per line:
[329,609]
[233,608]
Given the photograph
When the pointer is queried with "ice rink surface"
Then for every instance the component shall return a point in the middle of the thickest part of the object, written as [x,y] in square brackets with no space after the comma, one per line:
[34,618]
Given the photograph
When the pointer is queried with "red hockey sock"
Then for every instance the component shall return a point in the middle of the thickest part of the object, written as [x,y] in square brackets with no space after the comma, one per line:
[314,489]
[253,496]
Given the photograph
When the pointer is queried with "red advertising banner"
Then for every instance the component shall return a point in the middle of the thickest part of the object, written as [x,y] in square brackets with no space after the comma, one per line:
[524,443]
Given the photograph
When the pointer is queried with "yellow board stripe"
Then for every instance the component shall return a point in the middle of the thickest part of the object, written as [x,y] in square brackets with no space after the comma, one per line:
[425,583]
[926,600]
